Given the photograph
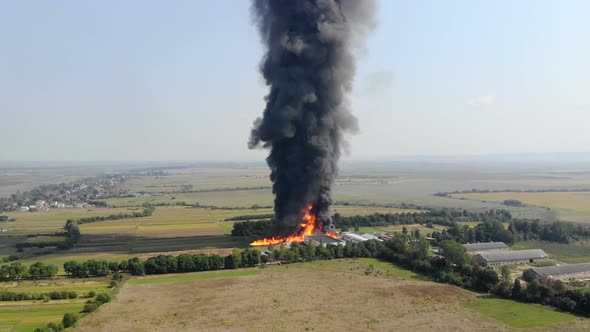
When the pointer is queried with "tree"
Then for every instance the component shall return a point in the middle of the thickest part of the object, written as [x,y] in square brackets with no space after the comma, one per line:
[420,249]
[517,290]
[505,286]
[454,253]
[69,319]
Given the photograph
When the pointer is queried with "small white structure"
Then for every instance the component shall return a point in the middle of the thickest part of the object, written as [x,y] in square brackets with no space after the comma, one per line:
[23,209]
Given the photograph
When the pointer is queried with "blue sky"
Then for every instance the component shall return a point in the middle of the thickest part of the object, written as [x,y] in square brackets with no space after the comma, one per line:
[140,80]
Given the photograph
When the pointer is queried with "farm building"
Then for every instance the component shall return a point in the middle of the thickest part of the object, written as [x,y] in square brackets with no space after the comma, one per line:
[353,237]
[564,272]
[322,239]
[496,258]
[476,248]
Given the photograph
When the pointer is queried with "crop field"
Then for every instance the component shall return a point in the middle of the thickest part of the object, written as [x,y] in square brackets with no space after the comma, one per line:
[570,206]
[51,221]
[567,253]
[381,297]
[25,317]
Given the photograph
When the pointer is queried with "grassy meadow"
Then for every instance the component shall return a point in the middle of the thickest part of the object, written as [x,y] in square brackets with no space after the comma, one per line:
[519,315]
[381,296]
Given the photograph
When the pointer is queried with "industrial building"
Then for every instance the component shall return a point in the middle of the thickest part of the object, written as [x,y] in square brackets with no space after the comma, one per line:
[477,248]
[353,237]
[497,258]
[323,240]
[564,272]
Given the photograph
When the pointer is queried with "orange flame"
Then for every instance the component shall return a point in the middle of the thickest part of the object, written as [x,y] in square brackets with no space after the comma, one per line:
[307,227]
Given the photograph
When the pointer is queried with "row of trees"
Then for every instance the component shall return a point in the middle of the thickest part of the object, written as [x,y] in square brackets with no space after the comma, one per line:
[163,264]
[444,217]
[146,212]
[55,295]
[17,271]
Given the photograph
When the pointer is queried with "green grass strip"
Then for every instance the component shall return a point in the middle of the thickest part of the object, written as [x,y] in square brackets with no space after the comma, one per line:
[519,315]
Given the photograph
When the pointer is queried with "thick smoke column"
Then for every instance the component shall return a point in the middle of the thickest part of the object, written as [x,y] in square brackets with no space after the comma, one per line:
[309,67]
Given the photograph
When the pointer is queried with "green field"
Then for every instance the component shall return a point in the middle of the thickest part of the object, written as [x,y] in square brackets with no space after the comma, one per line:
[27,317]
[567,253]
[519,315]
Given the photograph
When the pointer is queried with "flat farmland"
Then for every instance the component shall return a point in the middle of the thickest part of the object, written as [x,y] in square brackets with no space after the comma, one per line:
[202,179]
[25,317]
[52,220]
[363,295]
[570,206]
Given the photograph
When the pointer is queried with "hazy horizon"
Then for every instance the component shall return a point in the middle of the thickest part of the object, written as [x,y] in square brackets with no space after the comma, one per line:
[139,81]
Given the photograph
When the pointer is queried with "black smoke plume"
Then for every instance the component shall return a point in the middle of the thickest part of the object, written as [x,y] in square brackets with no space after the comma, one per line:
[309,67]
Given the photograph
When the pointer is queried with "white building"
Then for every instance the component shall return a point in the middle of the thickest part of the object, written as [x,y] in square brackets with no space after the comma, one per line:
[353,237]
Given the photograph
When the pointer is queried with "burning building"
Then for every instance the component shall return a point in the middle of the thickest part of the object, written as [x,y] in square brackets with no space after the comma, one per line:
[308,66]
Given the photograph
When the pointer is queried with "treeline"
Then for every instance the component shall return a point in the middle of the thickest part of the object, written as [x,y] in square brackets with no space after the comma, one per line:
[518,230]
[445,217]
[17,271]
[251,217]
[147,211]
[55,295]
[163,264]
[251,228]
[91,268]
[487,231]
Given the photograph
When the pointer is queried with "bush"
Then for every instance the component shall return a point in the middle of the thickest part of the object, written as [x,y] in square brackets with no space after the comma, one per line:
[91,293]
[90,307]
[102,298]
[69,319]
[113,284]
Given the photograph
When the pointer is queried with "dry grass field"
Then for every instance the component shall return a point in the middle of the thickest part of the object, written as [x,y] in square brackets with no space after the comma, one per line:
[570,206]
[339,295]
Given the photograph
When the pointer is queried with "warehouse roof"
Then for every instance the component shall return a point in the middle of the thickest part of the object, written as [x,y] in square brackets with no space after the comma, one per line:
[485,246]
[513,255]
[322,238]
[563,269]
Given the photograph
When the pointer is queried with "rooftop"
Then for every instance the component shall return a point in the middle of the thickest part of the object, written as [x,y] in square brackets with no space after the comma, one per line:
[513,255]
[485,246]
[563,269]
[323,238]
